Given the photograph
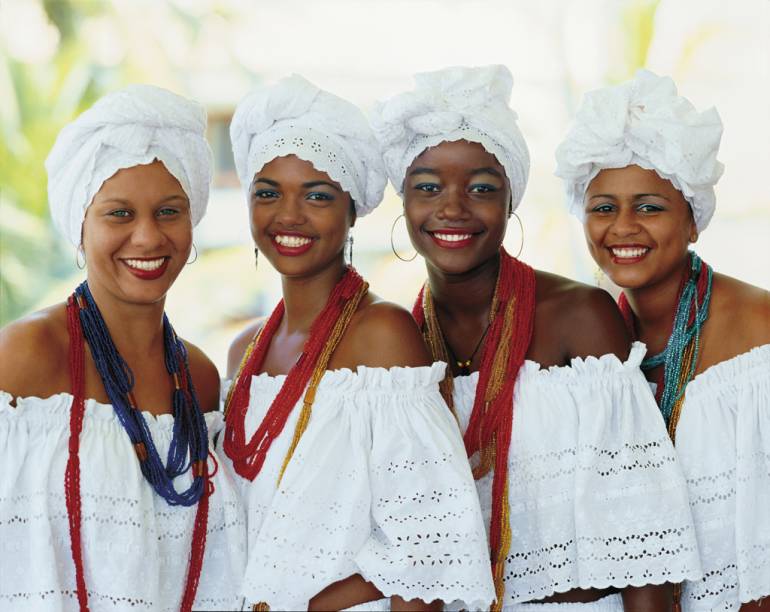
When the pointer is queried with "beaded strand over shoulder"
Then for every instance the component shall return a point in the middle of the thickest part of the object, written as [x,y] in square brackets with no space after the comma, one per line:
[189,438]
[512,316]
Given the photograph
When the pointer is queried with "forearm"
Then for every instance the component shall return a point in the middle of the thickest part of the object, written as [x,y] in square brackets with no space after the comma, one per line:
[649,598]
[350,591]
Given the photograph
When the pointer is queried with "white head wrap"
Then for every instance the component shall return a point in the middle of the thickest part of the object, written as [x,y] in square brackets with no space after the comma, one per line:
[294,117]
[456,103]
[127,128]
[643,122]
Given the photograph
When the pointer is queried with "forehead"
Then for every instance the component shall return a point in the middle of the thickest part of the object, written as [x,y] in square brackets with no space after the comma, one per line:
[458,155]
[291,169]
[630,180]
[148,180]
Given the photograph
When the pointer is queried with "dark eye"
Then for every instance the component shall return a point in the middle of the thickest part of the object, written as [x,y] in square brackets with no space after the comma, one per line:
[168,211]
[647,207]
[320,196]
[427,187]
[482,188]
[604,207]
[120,213]
[265,194]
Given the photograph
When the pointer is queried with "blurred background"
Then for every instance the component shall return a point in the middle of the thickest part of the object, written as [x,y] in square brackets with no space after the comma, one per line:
[58,56]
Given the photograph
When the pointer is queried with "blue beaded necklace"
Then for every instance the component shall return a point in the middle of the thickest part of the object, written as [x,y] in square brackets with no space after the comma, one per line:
[680,357]
[189,442]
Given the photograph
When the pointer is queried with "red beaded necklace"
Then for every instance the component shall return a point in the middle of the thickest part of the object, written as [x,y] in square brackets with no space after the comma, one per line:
[72,473]
[512,317]
[325,334]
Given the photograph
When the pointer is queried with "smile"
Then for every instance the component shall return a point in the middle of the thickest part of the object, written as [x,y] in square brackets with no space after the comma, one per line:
[147,269]
[145,264]
[292,241]
[452,239]
[292,245]
[628,254]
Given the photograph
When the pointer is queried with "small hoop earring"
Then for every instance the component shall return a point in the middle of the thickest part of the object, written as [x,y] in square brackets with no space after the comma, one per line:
[393,246]
[256,258]
[78,251]
[195,256]
[521,226]
[350,250]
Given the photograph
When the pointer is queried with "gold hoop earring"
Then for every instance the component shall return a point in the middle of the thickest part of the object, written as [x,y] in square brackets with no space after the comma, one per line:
[195,256]
[521,227]
[78,251]
[393,246]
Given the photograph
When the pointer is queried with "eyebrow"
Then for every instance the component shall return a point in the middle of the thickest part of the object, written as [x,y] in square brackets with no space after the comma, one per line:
[124,202]
[422,171]
[635,196]
[259,179]
[311,184]
[487,170]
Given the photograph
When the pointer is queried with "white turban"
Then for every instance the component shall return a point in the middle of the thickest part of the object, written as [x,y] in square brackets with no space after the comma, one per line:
[130,127]
[456,103]
[643,122]
[294,117]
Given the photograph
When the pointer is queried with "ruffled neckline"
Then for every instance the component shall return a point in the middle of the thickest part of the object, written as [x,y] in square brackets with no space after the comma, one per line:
[754,362]
[59,404]
[363,378]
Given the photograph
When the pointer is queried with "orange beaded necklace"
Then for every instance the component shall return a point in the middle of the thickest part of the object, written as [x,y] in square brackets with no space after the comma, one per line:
[512,317]
[325,334]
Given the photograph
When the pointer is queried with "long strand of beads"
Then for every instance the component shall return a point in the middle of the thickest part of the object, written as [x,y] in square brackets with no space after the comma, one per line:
[512,316]
[189,443]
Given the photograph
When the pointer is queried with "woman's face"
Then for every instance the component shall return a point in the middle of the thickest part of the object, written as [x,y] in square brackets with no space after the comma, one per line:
[300,217]
[637,226]
[456,202]
[137,234]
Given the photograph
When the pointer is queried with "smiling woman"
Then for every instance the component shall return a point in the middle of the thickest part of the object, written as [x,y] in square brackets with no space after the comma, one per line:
[352,469]
[106,492]
[640,167]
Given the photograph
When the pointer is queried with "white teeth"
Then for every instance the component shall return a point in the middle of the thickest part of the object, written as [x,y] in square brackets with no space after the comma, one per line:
[452,237]
[145,264]
[629,253]
[292,241]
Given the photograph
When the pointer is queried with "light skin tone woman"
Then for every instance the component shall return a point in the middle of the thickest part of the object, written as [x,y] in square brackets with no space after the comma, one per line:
[457,202]
[300,220]
[638,228]
[138,219]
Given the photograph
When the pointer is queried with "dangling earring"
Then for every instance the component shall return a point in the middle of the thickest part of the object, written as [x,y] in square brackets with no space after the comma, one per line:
[350,250]
[521,226]
[195,255]
[256,258]
[78,251]
[393,246]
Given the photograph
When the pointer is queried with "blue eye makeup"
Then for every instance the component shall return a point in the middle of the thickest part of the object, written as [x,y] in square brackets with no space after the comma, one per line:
[320,196]
[482,188]
[427,187]
[265,194]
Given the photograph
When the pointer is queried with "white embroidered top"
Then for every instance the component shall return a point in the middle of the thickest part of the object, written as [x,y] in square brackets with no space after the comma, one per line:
[135,546]
[378,485]
[596,495]
[723,441]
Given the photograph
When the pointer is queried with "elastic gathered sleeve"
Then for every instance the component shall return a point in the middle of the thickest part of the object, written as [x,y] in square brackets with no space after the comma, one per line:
[135,546]
[379,485]
[723,440]
[596,493]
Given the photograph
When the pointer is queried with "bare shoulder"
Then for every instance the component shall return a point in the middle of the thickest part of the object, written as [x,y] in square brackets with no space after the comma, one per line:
[205,377]
[586,318]
[240,344]
[381,335]
[34,352]
[731,296]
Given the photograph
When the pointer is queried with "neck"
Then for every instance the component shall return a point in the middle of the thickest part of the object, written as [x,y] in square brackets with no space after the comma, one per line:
[654,307]
[134,328]
[469,293]
[305,297]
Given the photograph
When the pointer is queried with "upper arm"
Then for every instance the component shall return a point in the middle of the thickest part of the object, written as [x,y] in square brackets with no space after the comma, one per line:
[595,326]
[383,335]
[239,345]
[205,378]
[34,358]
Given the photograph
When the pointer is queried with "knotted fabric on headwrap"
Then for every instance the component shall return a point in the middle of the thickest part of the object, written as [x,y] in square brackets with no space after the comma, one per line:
[294,117]
[643,122]
[456,103]
[130,127]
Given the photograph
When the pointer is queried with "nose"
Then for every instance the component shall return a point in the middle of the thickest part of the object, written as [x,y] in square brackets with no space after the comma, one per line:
[290,211]
[625,223]
[147,233]
[453,205]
